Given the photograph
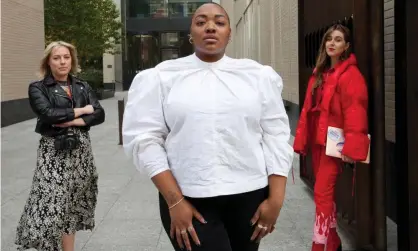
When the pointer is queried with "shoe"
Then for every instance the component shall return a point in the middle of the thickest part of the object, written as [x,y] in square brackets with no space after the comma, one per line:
[334,241]
[317,247]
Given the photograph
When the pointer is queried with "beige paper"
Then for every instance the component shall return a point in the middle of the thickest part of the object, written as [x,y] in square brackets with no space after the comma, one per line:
[335,143]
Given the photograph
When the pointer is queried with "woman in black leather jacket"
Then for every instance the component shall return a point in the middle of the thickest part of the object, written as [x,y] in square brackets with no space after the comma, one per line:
[64,191]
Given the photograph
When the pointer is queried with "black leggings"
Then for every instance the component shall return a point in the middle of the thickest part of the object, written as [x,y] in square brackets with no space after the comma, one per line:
[228,226]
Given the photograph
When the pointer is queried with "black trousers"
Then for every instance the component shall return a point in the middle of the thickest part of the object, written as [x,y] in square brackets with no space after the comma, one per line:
[228,226]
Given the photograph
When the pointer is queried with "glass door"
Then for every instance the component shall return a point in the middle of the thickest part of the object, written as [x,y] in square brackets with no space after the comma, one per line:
[170,42]
[167,54]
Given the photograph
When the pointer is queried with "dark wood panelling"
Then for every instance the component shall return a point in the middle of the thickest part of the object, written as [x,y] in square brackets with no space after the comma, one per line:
[320,13]
[406,92]
[363,175]
[377,124]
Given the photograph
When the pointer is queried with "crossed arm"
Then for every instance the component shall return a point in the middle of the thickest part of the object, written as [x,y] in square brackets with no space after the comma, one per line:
[89,115]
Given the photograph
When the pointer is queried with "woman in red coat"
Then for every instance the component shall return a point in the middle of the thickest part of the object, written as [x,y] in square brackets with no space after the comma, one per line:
[336,96]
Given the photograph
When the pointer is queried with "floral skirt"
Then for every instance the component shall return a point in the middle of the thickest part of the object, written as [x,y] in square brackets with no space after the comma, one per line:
[63,196]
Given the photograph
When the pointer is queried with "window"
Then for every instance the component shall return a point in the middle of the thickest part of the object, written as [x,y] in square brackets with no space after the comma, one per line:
[169,39]
[163,8]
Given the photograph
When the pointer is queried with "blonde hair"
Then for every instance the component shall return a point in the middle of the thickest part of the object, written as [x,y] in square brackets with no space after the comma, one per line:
[45,69]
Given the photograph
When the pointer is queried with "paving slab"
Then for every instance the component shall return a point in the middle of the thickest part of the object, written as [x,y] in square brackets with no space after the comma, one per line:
[127,216]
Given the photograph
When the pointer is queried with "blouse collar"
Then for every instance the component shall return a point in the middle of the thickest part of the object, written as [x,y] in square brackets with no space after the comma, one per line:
[209,64]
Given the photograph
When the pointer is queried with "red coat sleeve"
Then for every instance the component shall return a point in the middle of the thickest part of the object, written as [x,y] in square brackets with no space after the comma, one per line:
[354,104]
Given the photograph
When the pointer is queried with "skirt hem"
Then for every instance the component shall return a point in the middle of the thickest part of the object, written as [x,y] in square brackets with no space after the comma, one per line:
[36,243]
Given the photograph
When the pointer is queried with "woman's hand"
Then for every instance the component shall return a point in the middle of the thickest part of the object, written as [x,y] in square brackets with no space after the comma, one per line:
[265,219]
[181,224]
[75,122]
[347,159]
[88,109]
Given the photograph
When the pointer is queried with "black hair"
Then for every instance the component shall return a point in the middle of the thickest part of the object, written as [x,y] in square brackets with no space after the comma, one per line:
[213,3]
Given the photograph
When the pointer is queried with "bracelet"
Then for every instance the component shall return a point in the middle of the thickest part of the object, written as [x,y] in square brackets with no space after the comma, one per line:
[175,204]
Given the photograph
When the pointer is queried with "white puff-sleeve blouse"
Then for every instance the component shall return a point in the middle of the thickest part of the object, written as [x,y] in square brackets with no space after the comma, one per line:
[220,128]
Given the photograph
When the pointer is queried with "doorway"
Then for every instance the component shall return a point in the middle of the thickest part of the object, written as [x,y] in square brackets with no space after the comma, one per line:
[174,45]
[167,54]
[148,49]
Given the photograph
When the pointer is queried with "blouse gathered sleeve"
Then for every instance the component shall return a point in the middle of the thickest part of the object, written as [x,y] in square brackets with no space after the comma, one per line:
[144,129]
[278,153]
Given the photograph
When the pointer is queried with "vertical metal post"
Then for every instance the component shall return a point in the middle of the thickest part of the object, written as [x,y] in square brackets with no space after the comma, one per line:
[121,110]
[376,8]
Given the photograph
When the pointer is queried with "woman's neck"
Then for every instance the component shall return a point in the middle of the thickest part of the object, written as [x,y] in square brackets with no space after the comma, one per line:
[208,57]
[60,78]
[334,61]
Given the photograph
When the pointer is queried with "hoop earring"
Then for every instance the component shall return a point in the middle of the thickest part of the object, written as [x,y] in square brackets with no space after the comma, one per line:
[191,40]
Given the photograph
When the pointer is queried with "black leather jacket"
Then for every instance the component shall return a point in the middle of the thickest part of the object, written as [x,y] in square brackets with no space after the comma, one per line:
[53,106]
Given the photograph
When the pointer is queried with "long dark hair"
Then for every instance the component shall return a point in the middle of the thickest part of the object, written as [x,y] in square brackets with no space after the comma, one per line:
[323,61]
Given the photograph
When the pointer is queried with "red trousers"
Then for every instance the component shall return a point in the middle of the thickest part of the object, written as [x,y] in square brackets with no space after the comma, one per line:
[326,170]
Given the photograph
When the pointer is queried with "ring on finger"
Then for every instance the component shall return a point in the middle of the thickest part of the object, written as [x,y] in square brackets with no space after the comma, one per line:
[262,227]
[190,228]
[183,232]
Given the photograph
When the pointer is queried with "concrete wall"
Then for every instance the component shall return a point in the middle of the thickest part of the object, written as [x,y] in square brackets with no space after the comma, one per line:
[112,63]
[229,7]
[108,68]
[266,31]
[22,46]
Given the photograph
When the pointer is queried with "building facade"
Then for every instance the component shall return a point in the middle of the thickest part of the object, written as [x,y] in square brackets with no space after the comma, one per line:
[153,31]
[112,63]
[22,46]
[267,31]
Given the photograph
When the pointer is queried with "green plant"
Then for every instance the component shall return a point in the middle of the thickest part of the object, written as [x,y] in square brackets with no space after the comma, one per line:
[93,77]
[93,26]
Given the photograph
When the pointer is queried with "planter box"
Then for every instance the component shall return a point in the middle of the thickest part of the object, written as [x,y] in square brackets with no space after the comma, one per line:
[104,94]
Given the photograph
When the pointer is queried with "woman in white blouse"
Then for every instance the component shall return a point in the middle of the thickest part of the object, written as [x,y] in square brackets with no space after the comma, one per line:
[212,134]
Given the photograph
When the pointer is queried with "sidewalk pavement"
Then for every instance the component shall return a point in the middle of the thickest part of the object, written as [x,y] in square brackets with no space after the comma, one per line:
[127,215]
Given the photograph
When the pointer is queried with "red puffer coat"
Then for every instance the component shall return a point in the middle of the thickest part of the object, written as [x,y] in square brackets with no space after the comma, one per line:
[344,105]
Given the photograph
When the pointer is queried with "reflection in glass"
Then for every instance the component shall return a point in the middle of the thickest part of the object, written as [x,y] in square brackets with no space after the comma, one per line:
[143,52]
[169,39]
[182,8]
[158,8]
[146,50]
[167,54]
[163,8]
[138,8]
